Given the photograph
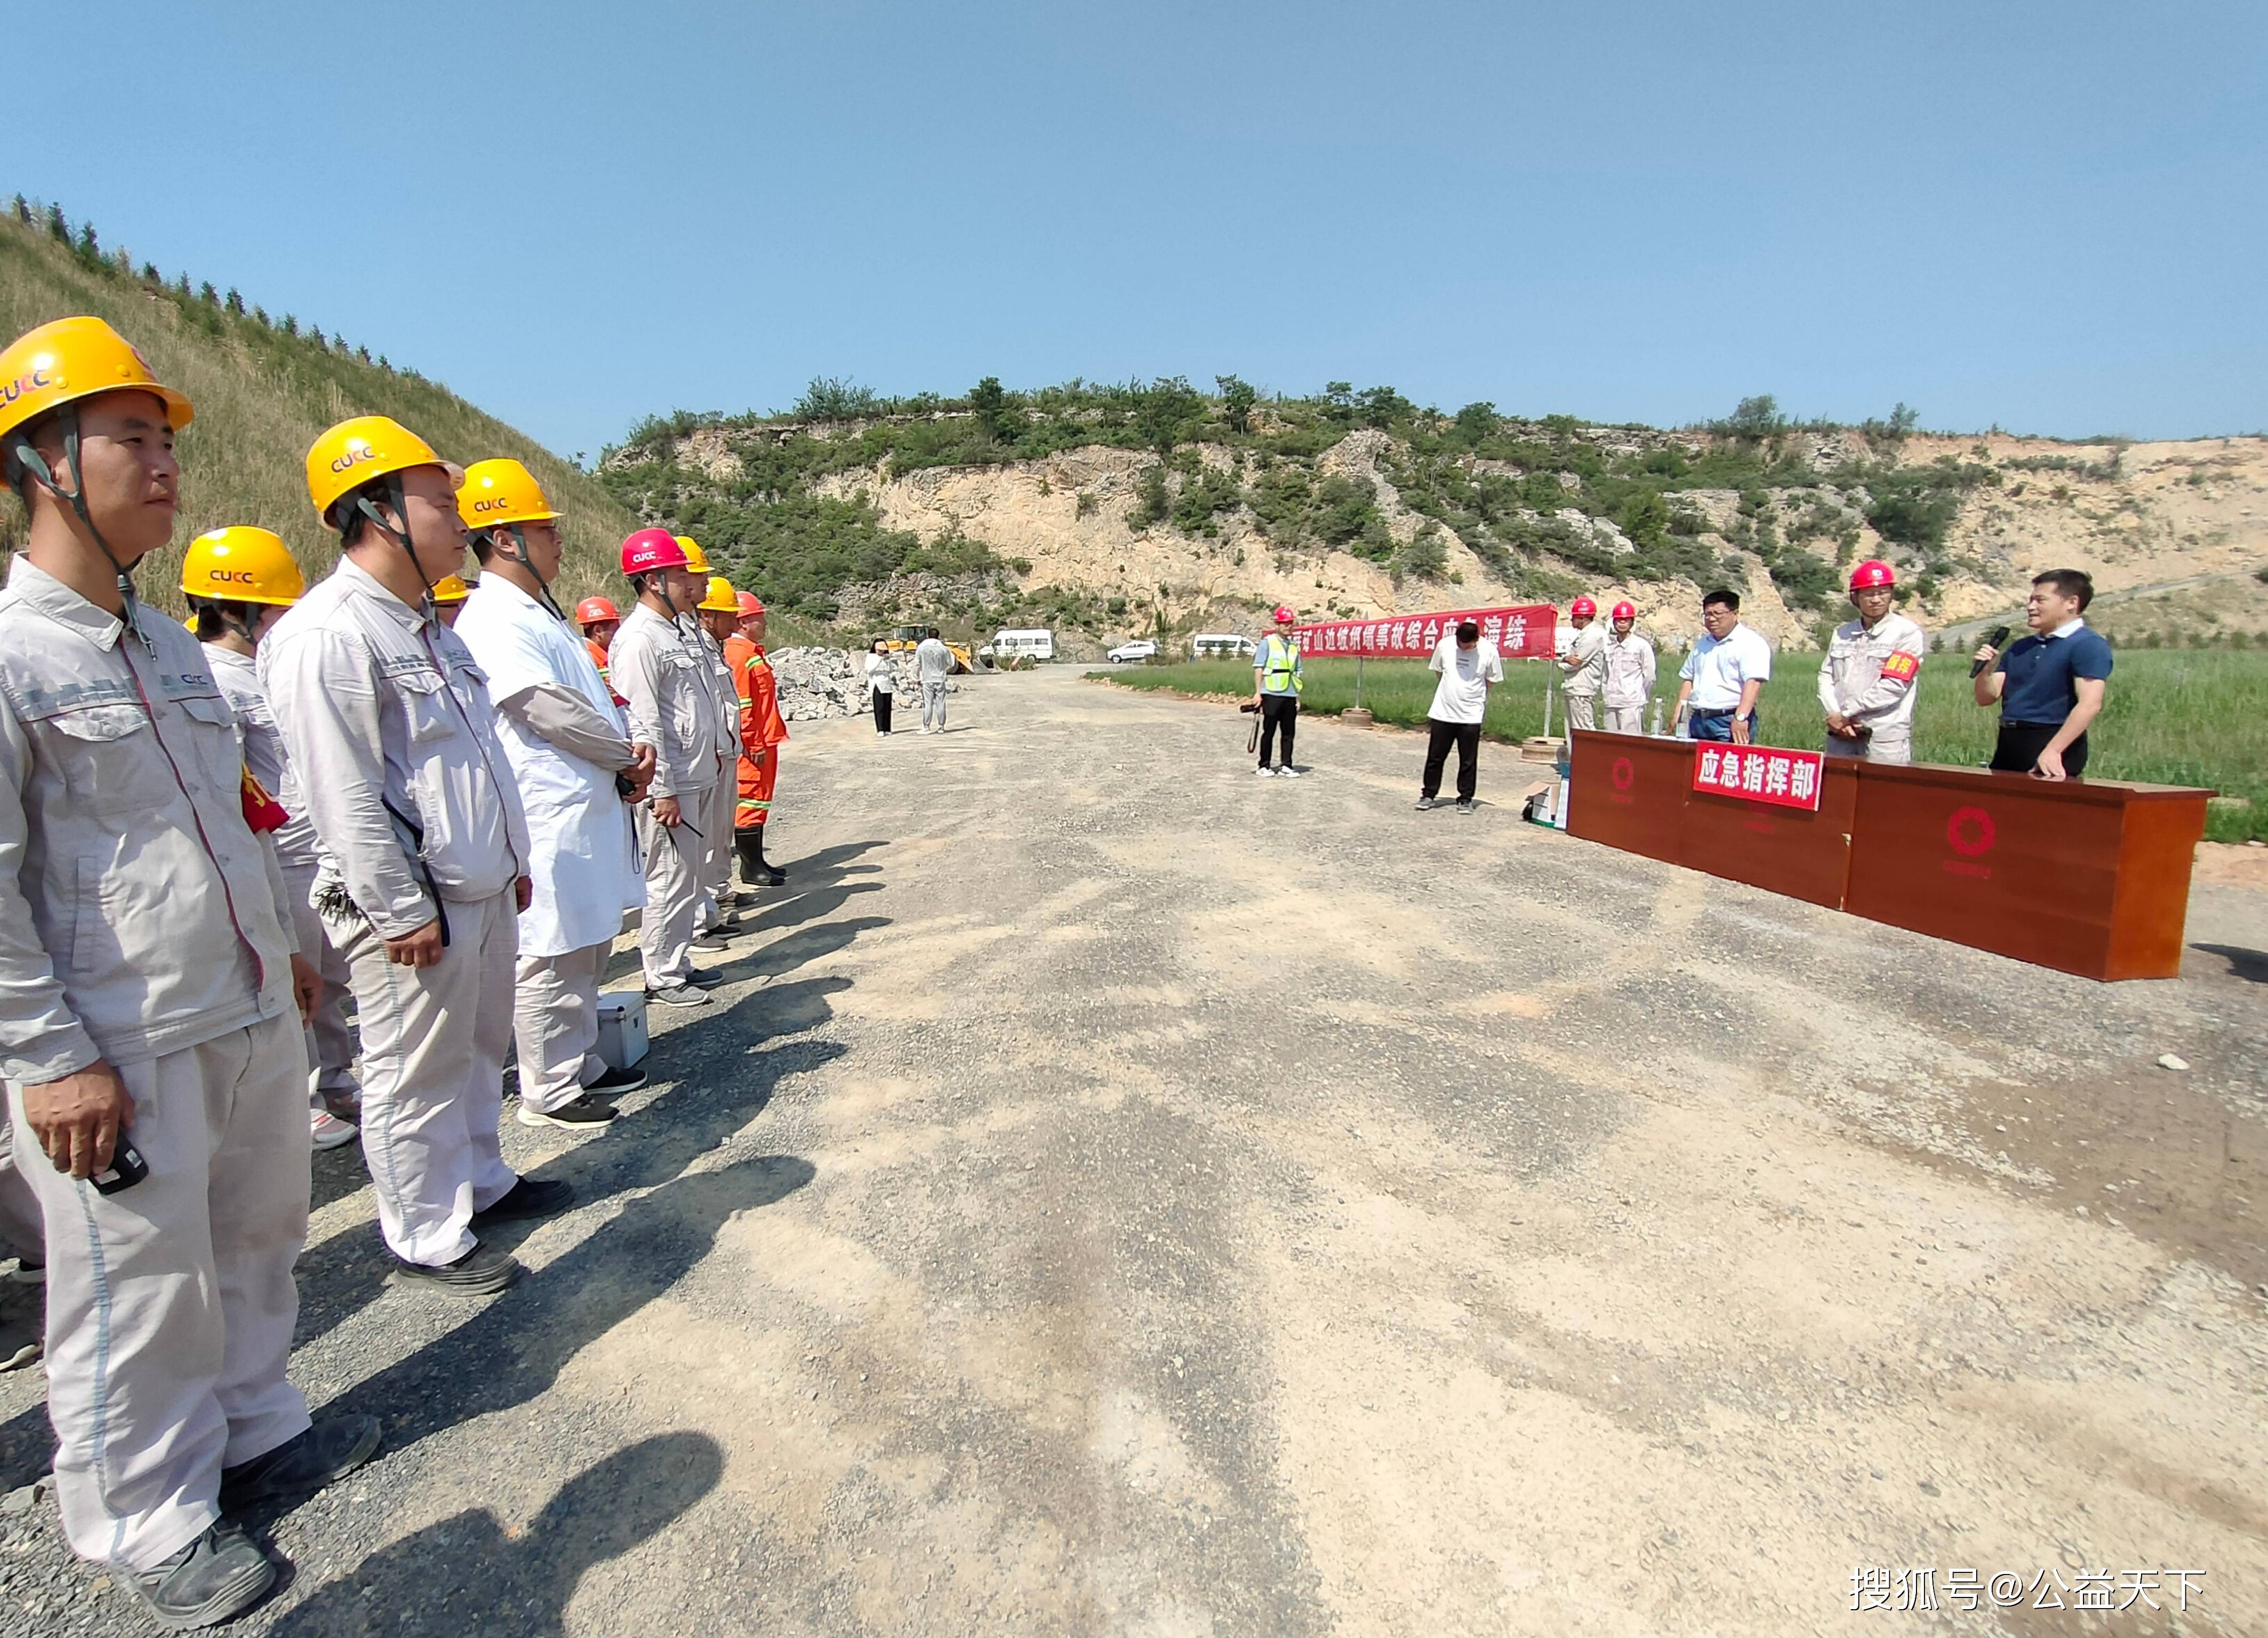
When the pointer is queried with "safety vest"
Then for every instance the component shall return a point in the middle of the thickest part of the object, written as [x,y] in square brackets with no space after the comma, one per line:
[1278,665]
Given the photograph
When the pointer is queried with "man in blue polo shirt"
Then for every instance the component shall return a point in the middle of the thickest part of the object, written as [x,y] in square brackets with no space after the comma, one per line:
[2050,684]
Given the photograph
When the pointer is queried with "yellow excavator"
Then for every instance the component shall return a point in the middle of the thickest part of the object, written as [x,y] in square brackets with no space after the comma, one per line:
[906,639]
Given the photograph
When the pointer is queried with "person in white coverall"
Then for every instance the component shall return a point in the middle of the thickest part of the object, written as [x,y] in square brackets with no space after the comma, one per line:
[1630,671]
[566,741]
[238,582]
[1584,664]
[147,986]
[662,673]
[389,724]
[1870,676]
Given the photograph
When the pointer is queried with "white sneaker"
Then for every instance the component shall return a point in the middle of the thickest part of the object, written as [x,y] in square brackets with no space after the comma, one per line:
[1265,772]
[327,1131]
[1287,772]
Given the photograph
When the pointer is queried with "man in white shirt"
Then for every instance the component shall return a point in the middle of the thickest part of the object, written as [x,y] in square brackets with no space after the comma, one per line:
[1718,683]
[1469,668]
[1630,673]
[1584,664]
[932,664]
[566,741]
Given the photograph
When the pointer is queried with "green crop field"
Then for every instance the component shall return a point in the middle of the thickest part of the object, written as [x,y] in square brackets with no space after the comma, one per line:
[2176,716]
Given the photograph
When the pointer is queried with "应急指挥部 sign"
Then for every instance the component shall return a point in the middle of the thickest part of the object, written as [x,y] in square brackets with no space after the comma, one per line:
[1783,779]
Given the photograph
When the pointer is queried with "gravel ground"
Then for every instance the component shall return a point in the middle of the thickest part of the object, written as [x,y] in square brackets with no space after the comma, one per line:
[1119,1195]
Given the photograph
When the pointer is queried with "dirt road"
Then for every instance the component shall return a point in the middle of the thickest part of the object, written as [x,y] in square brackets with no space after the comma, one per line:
[1123,1195]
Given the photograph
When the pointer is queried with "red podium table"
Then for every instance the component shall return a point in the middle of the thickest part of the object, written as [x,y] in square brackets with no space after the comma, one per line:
[2089,877]
[1636,794]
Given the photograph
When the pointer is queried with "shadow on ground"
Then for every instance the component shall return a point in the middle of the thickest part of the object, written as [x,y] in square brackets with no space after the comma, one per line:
[473,1573]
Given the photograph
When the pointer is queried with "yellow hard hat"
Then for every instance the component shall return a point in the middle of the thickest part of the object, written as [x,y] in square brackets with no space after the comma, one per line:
[450,589]
[353,452]
[722,599]
[242,564]
[502,491]
[71,359]
[695,559]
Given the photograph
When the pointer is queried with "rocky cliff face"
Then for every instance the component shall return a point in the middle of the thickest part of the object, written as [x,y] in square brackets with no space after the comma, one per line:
[2137,517]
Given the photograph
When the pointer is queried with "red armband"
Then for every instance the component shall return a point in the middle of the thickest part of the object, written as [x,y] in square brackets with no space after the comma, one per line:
[1901,667]
[261,812]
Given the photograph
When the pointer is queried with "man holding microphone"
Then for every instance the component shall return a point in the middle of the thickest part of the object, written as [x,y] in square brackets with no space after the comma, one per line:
[2050,685]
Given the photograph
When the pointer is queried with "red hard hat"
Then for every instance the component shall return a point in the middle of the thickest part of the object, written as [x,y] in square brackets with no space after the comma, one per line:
[1872,572]
[1284,614]
[593,609]
[750,604]
[649,549]
[1582,605]
[1625,611]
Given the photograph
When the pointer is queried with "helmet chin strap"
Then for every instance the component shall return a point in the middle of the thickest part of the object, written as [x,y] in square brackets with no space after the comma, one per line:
[394,492]
[542,586]
[75,497]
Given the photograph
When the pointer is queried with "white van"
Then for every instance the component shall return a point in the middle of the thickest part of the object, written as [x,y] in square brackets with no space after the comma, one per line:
[1219,645]
[1035,645]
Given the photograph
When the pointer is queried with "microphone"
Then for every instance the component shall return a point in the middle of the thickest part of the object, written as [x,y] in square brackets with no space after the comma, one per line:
[2000,636]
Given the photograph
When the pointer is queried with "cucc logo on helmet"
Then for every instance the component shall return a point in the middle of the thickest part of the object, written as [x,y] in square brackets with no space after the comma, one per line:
[24,384]
[355,456]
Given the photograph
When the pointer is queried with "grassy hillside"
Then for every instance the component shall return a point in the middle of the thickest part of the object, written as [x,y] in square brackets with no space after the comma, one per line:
[264,387]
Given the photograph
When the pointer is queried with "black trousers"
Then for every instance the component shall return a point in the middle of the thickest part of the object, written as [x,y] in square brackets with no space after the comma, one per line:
[1277,710]
[2020,744]
[1467,738]
[882,712]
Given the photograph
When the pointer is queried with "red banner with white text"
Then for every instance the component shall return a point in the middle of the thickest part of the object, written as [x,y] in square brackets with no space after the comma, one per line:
[1523,632]
[1783,779]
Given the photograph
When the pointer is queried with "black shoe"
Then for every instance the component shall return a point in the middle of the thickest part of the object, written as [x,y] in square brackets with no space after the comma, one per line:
[216,1578]
[585,1114]
[614,1081]
[709,942]
[334,1446]
[528,1198]
[704,978]
[728,926]
[681,994]
[480,1272]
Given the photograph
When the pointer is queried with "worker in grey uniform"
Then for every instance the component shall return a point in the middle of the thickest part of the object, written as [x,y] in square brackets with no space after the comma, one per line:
[148,979]
[1584,665]
[713,620]
[932,666]
[389,722]
[1871,674]
[238,582]
[567,744]
[662,674]
[1629,670]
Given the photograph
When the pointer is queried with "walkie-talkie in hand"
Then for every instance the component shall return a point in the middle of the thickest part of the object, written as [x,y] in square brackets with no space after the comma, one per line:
[2000,636]
[125,1169]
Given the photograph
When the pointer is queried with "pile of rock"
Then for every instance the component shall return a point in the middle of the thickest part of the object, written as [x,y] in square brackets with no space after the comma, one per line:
[816,683]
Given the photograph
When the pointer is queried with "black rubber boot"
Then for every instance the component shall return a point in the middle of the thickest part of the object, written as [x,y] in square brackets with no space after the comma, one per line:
[772,873]
[749,846]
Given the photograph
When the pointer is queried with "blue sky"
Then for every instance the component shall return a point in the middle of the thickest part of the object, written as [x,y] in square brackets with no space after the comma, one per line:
[2053,217]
